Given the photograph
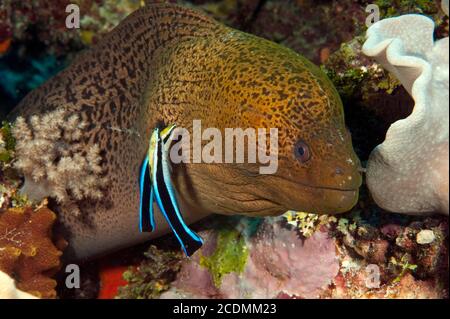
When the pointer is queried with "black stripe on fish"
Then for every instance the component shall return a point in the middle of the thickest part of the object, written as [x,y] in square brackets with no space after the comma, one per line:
[190,242]
[146,221]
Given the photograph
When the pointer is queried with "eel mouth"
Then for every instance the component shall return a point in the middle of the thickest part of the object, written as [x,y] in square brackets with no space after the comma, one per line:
[352,188]
[294,195]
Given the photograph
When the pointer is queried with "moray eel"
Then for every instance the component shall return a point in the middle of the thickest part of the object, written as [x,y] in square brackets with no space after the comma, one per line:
[169,64]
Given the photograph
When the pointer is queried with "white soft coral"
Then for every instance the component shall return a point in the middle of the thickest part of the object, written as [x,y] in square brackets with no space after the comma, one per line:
[53,160]
[408,172]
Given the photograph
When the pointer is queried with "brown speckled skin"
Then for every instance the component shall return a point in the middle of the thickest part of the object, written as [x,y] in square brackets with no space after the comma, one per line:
[170,64]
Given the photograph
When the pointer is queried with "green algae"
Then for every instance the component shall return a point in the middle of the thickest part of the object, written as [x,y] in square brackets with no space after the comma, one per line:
[348,82]
[403,265]
[388,83]
[344,69]
[7,143]
[355,76]
[230,255]
[19,200]
[389,8]
[4,156]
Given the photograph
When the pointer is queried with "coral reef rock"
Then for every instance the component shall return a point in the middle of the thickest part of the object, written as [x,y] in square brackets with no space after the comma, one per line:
[153,275]
[274,262]
[27,250]
[408,172]
[361,254]
[390,256]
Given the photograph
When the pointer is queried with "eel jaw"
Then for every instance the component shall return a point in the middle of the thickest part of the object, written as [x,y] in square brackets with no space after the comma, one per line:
[331,201]
[291,195]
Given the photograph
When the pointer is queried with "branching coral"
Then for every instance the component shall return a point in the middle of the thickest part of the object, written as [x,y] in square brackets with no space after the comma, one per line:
[408,172]
[53,160]
[27,252]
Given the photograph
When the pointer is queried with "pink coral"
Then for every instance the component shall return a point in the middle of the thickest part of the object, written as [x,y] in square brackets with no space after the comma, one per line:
[280,263]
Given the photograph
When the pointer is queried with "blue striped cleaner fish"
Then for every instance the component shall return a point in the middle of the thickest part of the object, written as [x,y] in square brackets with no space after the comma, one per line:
[156,185]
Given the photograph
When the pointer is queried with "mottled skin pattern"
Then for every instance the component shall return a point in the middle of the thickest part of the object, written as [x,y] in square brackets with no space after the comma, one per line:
[173,65]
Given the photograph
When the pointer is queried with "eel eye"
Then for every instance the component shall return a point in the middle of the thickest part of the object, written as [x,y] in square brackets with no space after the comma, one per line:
[301,151]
